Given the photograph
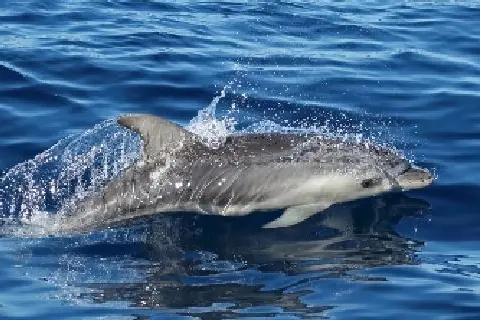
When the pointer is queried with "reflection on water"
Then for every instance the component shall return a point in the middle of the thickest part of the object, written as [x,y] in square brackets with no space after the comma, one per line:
[220,267]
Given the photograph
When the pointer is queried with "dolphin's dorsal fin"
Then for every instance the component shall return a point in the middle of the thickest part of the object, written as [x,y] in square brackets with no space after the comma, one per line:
[160,136]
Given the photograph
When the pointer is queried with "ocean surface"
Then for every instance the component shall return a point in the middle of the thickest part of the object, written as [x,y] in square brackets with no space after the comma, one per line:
[405,74]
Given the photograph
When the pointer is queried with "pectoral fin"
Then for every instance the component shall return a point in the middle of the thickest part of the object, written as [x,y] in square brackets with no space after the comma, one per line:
[297,214]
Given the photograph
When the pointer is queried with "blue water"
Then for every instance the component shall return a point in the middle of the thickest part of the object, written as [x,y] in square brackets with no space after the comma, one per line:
[405,73]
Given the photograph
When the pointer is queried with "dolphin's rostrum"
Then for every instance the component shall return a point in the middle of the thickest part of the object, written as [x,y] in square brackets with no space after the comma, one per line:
[301,173]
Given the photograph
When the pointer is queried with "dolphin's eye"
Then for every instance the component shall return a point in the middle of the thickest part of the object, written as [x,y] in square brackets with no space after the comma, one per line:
[368,183]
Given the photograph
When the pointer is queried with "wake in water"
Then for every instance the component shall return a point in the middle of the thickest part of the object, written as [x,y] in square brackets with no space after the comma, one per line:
[68,172]
[34,195]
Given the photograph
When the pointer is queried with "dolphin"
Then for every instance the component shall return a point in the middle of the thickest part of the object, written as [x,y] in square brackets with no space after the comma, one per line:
[301,174]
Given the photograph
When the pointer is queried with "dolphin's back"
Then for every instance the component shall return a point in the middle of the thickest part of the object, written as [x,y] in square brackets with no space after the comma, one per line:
[327,152]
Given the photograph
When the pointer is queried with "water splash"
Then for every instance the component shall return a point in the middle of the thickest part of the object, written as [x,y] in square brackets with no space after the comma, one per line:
[230,113]
[56,179]
[211,129]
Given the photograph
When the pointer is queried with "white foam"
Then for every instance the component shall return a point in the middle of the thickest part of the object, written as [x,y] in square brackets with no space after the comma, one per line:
[34,191]
[212,130]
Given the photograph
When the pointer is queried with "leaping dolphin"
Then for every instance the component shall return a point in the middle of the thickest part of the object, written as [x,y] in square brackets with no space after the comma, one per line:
[301,173]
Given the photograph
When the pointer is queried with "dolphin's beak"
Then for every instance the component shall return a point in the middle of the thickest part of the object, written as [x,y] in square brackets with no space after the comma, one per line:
[415,178]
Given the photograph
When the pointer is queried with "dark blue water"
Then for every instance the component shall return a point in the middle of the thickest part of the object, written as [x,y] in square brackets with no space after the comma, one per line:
[404,73]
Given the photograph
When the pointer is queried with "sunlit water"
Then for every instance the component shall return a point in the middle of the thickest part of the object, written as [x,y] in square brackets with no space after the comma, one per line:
[405,75]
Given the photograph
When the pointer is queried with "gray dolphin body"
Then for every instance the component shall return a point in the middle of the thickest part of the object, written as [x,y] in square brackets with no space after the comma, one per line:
[303,174]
